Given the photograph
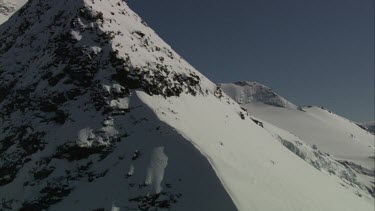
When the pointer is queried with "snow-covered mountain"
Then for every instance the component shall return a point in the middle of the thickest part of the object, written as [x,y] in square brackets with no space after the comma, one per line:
[245,92]
[96,111]
[343,139]
[9,7]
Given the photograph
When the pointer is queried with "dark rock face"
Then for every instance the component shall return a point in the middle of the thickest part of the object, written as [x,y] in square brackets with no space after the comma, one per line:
[58,59]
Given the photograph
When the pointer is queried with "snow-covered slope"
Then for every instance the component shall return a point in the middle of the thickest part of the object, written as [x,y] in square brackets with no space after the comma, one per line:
[9,7]
[324,162]
[321,128]
[96,111]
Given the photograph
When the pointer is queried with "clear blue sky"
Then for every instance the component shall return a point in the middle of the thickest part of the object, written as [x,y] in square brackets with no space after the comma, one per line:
[313,52]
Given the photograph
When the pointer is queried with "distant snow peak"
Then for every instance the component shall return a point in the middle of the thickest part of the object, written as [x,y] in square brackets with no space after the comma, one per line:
[370,126]
[249,83]
[245,92]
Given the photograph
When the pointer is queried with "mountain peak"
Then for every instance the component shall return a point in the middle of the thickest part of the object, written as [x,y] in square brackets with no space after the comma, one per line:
[245,92]
[69,69]
[248,83]
[93,42]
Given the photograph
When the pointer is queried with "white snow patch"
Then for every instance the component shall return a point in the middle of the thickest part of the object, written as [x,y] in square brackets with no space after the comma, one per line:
[109,122]
[131,170]
[122,103]
[96,49]
[155,171]
[76,35]
[117,88]
[115,208]
[107,88]
[85,137]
